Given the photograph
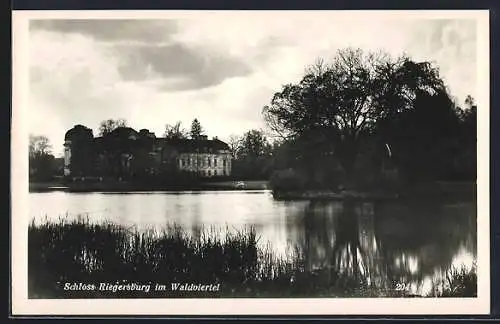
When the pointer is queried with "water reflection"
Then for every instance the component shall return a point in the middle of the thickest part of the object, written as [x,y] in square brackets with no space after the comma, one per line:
[387,243]
[384,243]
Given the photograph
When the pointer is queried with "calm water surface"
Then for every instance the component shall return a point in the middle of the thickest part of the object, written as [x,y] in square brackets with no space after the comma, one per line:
[414,242]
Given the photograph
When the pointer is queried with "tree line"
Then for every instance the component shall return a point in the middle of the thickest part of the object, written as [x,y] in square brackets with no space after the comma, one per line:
[43,165]
[348,120]
[361,119]
[175,131]
[251,152]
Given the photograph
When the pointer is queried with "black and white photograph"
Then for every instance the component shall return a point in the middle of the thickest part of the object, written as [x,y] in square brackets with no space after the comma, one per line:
[250,162]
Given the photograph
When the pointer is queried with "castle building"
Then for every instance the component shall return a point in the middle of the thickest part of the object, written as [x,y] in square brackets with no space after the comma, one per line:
[125,152]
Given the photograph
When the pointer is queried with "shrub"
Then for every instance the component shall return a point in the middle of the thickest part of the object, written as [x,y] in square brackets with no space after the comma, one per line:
[287,180]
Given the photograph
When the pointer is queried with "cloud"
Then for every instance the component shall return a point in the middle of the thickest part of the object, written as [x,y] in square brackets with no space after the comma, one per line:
[181,67]
[457,37]
[452,45]
[221,70]
[145,50]
[73,84]
[75,79]
[145,30]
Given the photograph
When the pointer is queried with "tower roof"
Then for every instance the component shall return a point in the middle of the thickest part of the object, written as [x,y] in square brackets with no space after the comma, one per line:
[78,131]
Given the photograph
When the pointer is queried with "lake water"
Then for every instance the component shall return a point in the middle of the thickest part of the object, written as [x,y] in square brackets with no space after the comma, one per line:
[414,242]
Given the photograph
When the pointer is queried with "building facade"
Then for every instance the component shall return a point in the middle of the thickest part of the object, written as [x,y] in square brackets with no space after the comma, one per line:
[125,153]
[205,164]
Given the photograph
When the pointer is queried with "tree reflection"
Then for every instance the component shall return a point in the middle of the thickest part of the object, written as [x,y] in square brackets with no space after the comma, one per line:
[421,240]
[346,246]
[383,244]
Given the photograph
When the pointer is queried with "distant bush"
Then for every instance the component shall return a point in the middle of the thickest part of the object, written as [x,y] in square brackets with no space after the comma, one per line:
[287,180]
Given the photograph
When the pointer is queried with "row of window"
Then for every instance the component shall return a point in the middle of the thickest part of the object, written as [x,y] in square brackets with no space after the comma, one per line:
[212,173]
[205,162]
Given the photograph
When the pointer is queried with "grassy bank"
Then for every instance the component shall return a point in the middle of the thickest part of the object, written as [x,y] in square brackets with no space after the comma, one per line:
[78,255]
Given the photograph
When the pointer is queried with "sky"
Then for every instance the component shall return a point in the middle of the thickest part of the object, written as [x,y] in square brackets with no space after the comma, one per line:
[221,68]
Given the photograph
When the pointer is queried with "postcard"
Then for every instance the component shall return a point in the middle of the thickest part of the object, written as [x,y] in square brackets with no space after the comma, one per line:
[250,163]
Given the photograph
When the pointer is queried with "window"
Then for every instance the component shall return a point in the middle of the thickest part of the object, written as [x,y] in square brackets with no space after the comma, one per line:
[215,172]
[224,163]
[215,162]
[209,173]
[209,160]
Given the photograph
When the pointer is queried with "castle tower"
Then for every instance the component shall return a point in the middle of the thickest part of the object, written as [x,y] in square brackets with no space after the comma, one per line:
[77,150]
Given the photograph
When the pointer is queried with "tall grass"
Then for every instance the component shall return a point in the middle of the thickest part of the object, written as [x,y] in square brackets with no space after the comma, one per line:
[457,282]
[78,251]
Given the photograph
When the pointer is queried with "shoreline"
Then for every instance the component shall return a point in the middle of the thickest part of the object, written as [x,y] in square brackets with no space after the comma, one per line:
[131,187]
[431,191]
[439,191]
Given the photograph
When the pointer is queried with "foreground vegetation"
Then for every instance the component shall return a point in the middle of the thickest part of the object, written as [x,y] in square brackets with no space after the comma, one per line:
[78,251]
[460,282]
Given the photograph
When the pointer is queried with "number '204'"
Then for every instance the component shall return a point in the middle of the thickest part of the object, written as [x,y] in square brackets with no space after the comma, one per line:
[402,286]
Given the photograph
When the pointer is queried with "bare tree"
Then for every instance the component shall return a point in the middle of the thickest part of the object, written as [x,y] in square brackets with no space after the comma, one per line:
[107,126]
[234,145]
[39,145]
[41,161]
[175,131]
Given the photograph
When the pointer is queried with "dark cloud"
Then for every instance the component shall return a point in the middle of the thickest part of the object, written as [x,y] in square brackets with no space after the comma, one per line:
[182,67]
[145,49]
[111,29]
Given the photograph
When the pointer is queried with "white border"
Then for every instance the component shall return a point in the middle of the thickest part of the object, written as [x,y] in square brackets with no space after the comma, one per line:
[21,305]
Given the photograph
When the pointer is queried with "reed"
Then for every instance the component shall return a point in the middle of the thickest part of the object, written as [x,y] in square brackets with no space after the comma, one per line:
[79,251]
[457,282]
